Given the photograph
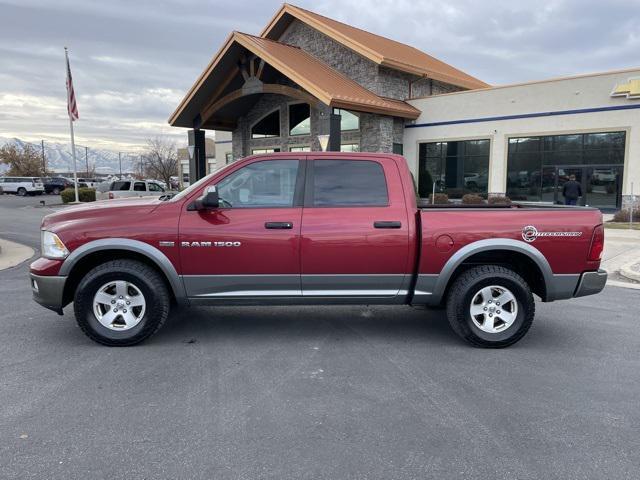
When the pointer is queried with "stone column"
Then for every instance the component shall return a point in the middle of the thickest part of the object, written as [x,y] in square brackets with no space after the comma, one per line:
[376,133]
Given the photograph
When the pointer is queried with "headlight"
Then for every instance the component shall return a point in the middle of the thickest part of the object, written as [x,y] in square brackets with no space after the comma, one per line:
[52,246]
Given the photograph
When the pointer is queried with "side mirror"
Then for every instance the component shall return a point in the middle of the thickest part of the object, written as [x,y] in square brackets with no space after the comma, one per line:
[209,200]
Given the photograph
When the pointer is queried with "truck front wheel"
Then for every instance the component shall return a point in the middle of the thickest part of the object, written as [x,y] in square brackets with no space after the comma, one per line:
[121,302]
[490,306]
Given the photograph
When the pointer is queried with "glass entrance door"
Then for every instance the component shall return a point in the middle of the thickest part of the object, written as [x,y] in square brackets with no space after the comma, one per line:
[601,186]
[604,187]
[563,175]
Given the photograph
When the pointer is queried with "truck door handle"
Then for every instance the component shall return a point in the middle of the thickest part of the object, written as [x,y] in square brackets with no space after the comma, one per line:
[278,225]
[387,224]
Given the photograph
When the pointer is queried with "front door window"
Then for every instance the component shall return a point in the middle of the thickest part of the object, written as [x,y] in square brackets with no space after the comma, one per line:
[270,183]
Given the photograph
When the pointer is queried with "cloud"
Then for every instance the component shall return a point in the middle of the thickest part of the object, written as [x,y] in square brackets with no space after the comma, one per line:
[133,61]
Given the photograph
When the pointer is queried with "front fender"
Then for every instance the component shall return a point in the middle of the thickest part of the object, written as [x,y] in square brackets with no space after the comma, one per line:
[149,251]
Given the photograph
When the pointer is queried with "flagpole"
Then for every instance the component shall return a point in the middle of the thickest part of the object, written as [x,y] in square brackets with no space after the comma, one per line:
[73,141]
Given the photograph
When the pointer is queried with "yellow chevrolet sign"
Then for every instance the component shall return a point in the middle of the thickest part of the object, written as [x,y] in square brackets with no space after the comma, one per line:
[629,89]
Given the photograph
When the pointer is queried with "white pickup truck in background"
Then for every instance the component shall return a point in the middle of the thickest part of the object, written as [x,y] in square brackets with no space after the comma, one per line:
[129,188]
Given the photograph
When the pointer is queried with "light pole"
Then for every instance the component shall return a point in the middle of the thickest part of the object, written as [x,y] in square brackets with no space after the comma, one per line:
[86,158]
[44,162]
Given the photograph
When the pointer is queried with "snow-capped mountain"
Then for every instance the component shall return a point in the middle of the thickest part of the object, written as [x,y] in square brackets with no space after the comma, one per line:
[59,158]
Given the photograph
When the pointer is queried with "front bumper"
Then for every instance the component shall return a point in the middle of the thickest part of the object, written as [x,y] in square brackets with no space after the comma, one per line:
[591,283]
[48,291]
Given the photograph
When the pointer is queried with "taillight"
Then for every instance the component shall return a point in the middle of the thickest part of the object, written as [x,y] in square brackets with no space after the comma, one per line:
[597,244]
[110,195]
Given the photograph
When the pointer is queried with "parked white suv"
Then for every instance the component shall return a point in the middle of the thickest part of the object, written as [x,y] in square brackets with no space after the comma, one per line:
[90,182]
[130,188]
[22,185]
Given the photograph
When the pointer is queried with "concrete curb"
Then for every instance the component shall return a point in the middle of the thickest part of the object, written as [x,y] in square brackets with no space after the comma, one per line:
[629,272]
[616,283]
[12,254]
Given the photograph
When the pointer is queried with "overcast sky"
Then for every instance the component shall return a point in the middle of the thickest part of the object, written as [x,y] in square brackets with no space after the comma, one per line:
[132,60]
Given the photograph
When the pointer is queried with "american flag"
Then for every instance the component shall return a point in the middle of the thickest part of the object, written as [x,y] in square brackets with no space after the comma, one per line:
[72,107]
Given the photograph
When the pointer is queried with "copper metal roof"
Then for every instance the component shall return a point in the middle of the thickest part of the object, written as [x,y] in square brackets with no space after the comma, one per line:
[381,50]
[323,82]
[320,80]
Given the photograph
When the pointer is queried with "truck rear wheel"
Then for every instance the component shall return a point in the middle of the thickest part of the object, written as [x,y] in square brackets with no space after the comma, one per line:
[490,306]
[121,302]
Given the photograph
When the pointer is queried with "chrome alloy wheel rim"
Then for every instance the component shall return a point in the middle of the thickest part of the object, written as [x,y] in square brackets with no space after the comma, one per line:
[493,309]
[119,305]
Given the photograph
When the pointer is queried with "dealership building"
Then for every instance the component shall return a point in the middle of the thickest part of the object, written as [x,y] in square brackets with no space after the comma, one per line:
[308,82]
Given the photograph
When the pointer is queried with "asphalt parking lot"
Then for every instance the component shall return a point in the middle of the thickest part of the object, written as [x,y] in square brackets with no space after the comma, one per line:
[307,392]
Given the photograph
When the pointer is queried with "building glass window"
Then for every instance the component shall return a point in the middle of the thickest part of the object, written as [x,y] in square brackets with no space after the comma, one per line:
[268,126]
[299,119]
[349,183]
[350,147]
[348,120]
[300,149]
[456,168]
[536,165]
[228,157]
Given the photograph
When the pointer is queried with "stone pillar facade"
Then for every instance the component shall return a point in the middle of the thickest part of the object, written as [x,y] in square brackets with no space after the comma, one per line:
[376,133]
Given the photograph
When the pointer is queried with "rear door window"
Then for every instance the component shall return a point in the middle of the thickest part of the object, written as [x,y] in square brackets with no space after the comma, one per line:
[348,183]
[139,187]
[120,186]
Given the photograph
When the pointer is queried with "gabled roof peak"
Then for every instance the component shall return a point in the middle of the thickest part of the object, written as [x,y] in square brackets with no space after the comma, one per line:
[381,50]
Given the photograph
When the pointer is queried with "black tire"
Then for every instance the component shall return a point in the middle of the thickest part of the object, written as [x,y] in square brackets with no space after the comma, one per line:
[56,191]
[22,192]
[146,279]
[462,293]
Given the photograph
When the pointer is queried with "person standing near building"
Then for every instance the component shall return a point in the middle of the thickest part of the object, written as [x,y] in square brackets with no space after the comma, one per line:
[571,191]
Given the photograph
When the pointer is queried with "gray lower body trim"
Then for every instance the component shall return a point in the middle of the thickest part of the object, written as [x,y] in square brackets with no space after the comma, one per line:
[591,283]
[302,289]
[207,286]
[430,290]
[353,285]
[425,290]
[48,291]
[562,286]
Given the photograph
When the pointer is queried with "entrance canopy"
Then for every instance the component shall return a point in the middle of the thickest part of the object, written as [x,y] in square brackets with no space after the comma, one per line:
[248,66]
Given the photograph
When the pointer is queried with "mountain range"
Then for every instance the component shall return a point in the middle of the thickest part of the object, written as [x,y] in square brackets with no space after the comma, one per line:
[59,158]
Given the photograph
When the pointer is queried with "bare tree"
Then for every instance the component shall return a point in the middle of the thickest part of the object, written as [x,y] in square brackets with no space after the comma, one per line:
[23,161]
[161,159]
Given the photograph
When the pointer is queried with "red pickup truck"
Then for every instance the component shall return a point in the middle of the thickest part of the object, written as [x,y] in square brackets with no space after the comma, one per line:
[314,228]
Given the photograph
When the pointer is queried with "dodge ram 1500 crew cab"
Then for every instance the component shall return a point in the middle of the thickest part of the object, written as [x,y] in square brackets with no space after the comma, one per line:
[313,228]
